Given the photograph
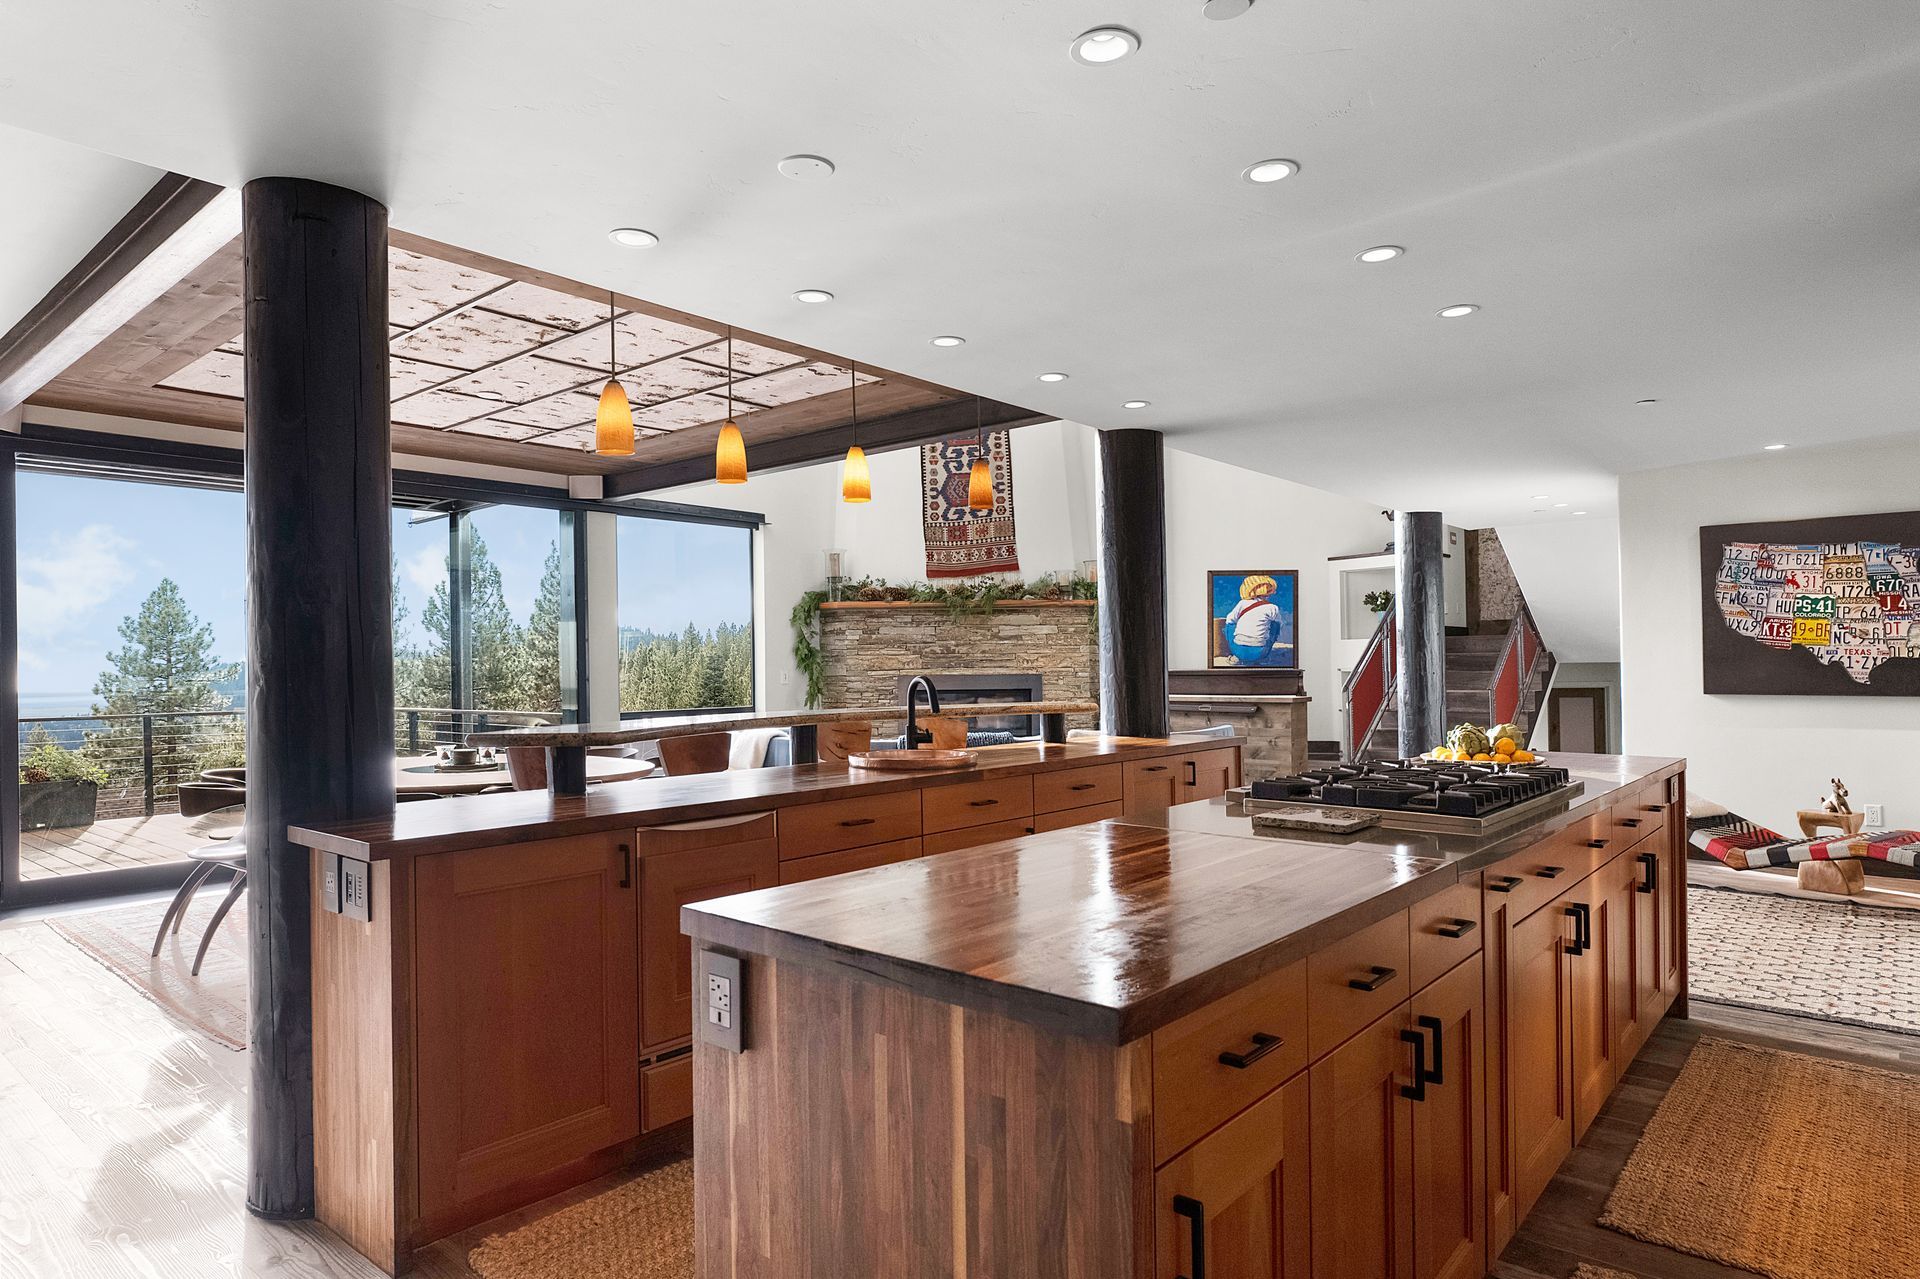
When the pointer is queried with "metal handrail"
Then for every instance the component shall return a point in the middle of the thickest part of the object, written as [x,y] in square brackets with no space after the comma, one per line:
[152,787]
[1522,626]
[1389,679]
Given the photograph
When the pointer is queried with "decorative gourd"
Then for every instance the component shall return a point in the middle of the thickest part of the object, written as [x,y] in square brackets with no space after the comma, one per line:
[1513,731]
[1470,738]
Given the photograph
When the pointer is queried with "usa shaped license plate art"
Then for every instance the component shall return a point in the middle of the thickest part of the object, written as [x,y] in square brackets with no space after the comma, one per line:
[1812,607]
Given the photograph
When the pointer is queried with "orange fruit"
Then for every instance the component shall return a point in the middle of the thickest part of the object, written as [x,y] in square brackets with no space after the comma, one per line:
[1505,746]
[1524,757]
[1483,758]
[1502,757]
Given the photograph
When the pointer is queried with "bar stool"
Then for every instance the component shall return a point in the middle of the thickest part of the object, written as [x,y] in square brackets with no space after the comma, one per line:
[224,852]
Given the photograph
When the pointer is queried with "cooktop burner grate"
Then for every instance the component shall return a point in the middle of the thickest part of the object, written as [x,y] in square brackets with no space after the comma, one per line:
[1425,794]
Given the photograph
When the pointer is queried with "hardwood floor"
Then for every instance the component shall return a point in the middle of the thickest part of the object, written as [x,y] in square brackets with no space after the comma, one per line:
[122,1146]
[112,843]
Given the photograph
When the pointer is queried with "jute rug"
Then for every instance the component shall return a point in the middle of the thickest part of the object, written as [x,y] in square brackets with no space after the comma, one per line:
[1586,1271]
[213,1004]
[1839,961]
[641,1230]
[1790,1166]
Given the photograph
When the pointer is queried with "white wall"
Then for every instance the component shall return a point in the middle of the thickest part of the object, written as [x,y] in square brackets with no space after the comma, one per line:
[1764,757]
[1570,573]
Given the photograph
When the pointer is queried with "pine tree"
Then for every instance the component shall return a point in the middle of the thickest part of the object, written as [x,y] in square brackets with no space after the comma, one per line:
[541,689]
[165,666]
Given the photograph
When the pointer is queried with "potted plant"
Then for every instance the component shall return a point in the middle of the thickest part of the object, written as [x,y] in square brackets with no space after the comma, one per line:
[58,788]
[1378,601]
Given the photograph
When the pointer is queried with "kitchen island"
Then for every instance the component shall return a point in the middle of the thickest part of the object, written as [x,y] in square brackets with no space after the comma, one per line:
[502,996]
[1166,1046]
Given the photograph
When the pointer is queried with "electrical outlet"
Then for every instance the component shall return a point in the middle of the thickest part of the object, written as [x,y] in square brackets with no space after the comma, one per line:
[719,1000]
[720,975]
[1877,816]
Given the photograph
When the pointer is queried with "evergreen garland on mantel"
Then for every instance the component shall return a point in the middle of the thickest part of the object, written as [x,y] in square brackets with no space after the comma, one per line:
[977,595]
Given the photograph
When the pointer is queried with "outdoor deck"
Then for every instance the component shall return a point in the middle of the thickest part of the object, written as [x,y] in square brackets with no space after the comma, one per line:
[112,843]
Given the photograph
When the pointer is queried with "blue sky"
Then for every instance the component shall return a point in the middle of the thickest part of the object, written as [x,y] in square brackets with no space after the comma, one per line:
[91,550]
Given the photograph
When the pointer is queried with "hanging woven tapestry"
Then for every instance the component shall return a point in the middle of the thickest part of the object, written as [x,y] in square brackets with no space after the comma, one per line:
[963,542]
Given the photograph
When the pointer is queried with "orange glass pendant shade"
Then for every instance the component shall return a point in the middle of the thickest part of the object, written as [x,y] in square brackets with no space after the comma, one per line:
[980,486]
[730,456]
[613,423]
[856,484]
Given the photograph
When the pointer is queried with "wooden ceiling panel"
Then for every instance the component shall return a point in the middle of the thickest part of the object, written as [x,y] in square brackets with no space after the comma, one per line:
[677,415]
[545,306]
[494,428]
[523,378]
[749,358]
[669,379]
[419,288]
[801,383]
[553,413]
[441,408]
[578,439]
[405,376]
[642,339]
[218,372]
[473,339]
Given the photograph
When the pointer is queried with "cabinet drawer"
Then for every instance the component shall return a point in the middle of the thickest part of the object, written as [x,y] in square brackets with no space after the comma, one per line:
[1644,815]
[1154,784]
[948,841]
[849,823]
[1076,788]
[798,869]
[1260,1031]
[1355,980]
[1209,774]
[666,1093]
[1444,929]
[975,804]
[1529,880]
[716,832]
[1066,817]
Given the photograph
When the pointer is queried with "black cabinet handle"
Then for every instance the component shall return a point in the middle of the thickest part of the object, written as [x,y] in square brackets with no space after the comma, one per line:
[1503,883]
[1378,977]
[1457,928]
[1586,926]
[981,803]
[1439,1047]
[1550,872]
[858,821]
[1650,862]
[626,866]
[1193,773]
[1597,843]
[1652,808]
[1418,1088]
[1196,1214]
[1155,768]
[1631,823]
[1578,946]
[1083,786]
[1263,1044]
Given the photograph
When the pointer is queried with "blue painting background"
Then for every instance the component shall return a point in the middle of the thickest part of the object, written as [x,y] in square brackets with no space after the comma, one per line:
[1226,595]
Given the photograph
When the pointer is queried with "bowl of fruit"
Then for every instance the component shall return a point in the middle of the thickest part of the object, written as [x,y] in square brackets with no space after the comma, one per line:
[1501,744]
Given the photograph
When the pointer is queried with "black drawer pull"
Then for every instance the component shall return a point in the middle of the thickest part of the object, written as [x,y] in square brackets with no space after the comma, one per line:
[1653,808]
[1503,883]
[1582,916]
[1377,978]
[1155,768]
[1632,823]
[1575,947]
[858,821]
[981,803]
[1439,1048]
[1263,1044]
[1083,786]
[626,866]
[1597,843]
[1550,872]
[1457,928]
[1418,1088]
[1196,1214]
[1650,862]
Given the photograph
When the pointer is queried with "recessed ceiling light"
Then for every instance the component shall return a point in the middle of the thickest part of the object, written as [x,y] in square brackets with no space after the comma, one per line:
[1053,377]
[632,237]
[1381,253]
[1543,497]
[1775,448]
[1136,404]
[1270,170]
[1456,311]
[1103,45]
[1579,512]
[948,339]
[812,295]
[1221,10]
[806,168]
[1558,505]
[1641,404]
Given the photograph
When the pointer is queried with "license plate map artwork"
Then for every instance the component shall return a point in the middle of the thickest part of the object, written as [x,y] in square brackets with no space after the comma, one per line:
[1847,605]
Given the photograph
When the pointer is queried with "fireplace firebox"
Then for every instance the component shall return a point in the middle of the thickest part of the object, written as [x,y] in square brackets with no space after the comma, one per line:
[960,691]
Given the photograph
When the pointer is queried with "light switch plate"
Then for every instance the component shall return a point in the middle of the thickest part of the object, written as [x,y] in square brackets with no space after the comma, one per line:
[356,889]
[717,1000]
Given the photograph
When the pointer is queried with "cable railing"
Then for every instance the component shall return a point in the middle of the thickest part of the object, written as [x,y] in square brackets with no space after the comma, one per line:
[419,729]
[136,760]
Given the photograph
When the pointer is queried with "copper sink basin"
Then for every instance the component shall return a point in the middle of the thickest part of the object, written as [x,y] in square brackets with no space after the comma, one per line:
[911,761]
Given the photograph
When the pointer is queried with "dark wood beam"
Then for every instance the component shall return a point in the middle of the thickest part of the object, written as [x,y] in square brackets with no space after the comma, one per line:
[1133,584]
[914,427]
[176,226]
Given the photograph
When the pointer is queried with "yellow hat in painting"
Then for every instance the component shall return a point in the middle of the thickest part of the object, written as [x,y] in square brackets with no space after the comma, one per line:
[1258,584]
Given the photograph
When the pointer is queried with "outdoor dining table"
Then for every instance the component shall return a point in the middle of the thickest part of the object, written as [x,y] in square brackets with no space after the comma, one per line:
[420,773]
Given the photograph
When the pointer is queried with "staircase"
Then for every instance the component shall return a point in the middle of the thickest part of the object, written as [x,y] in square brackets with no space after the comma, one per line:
[1491,679]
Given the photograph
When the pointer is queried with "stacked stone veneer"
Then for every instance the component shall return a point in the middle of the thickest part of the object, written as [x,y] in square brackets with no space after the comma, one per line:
[868,647]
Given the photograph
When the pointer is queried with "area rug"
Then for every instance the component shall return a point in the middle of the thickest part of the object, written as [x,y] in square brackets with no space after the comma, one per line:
[1585,1271]
[640,1230]
[1838,961]
[213,1004]
[1791,1166]
[962,542]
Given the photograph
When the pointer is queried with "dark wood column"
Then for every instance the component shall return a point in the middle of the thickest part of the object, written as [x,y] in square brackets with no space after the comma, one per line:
[319,613]
[1420,595]
[1133,584]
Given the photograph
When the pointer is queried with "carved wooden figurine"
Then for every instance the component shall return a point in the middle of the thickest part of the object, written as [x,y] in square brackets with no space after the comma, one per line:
[1837,802]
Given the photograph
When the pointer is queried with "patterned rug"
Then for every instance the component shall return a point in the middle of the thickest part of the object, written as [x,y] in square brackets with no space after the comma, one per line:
[213,1004]
[1838,961]
[960,541]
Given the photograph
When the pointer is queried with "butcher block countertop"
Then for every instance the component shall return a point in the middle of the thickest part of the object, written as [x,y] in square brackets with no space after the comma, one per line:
[484,821]
[620,734]
[1113,930]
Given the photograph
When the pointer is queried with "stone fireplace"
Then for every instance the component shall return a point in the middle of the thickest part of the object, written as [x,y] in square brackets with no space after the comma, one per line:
[871,649]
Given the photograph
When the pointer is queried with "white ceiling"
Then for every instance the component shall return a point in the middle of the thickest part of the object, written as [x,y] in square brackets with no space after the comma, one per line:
[1712,203]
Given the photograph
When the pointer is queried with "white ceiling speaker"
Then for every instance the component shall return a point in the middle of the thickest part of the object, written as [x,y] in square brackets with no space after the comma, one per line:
[1221,10]
[806,168]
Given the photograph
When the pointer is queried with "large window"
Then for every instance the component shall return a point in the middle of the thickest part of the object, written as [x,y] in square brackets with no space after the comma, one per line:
[686,615]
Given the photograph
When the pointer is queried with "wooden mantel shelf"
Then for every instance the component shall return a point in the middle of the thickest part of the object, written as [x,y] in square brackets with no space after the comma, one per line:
[944,607]
[552,735]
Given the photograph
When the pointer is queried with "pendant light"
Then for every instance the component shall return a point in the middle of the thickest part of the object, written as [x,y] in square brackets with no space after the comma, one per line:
[980,482]
[856,483]
[613,422]
[730,453]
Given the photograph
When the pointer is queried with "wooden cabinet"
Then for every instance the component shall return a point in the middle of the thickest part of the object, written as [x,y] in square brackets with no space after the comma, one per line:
[1209,774]
[1501,1219]
[1361,1160]
[1449,1124]
[1152,784]
[1444,930]
[1077,788]
[807,830]
[1237,1205]
[1352,981]
[1593,912]
[690,862]
[1671,891]
[799,869]
[949,841]
[1539,1052]
[525,995]
[1213,1062]
[983,803]
[1061,818]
